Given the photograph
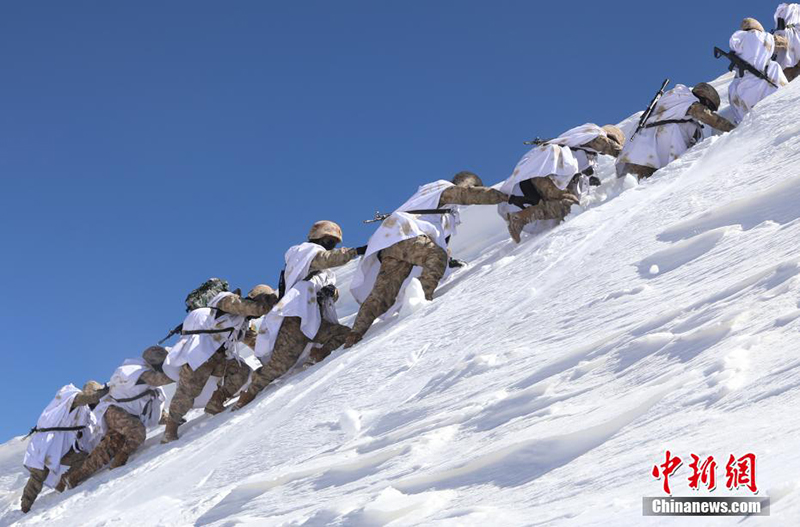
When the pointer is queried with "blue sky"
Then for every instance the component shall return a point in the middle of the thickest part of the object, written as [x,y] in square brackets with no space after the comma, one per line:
[146,146]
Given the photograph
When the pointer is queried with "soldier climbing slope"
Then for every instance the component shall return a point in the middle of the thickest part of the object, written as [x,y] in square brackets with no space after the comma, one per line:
[64,435]
[787,27]
[755,47]
[543,176]
[675,125]
[132,405]
[306,312]
[406,239]
[208,347]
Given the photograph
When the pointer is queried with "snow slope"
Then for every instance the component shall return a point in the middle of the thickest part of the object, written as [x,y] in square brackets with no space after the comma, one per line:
[539,388]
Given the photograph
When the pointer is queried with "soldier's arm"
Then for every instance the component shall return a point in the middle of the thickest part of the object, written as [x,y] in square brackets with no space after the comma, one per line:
[154,378]
[472,196]
[712,119]
[243,306]
[332,258]
[250,338]
[83,399]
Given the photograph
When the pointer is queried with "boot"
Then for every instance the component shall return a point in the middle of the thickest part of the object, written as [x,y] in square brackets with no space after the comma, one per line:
[352,339]
[216,404]
[245,398]
[170,432]
[120,459]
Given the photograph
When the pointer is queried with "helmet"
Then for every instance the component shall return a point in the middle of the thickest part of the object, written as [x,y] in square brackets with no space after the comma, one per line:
[325,228]
[615,134]
[749,24]
[707,95]
[154,356]
[91,387]
[259,290]
[467,179]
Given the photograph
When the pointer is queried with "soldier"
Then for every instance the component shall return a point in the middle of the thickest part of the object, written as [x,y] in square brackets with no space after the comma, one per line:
[406,239]
[675,125]
[787,32]
[545,177]
[756,47]
[305,313]
[63,436]
[208,347]
[133,404]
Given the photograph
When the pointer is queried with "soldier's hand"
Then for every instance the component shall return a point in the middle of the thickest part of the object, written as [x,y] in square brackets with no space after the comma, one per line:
[594,181]
[361,251]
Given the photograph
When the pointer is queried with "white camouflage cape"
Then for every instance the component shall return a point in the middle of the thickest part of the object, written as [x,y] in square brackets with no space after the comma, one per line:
[755,47]
[401,226]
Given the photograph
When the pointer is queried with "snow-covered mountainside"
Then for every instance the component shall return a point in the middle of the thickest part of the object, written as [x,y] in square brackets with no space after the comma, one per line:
[542,384]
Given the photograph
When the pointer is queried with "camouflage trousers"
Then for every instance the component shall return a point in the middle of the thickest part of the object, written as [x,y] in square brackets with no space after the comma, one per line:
[124,434]
[38,476]
[640,171]
[233,376]
[397,261]
[289,345]
[792,72]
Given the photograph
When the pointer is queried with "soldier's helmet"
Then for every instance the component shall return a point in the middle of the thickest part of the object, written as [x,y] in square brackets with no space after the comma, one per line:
[261,290]
[467,179]
[92,387]
[615,135]
[325,228]
[707,95]
[750,24]
[154,356]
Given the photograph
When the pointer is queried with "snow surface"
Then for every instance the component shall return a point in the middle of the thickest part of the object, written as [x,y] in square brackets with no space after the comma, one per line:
[541,385]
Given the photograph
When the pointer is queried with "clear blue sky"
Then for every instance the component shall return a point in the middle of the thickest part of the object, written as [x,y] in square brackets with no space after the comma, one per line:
[146,146]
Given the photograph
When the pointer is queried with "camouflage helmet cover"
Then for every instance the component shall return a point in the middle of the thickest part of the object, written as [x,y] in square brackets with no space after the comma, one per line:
[154,356]
[325,228]
[260,289]
[615,134]
[707,95]
[91,387]
[749,24]
[467,179]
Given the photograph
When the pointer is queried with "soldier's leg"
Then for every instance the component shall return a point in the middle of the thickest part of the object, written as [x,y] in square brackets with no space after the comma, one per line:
[190,386]
[103,453]
[233,375]
[640,171]
[387,286]
[792,72]
[289,345]
[33,487]
[331,336]
[130,428]
[433,260]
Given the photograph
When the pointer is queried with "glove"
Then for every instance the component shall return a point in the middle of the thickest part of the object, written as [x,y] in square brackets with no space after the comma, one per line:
[455,263]
[519,201]
[361,251]
[588,172]
[594,181]
[570,198]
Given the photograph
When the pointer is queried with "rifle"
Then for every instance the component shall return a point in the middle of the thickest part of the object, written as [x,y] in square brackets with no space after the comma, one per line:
[646,115]
[177,329]
[742,65]
[379,216]
[538,141]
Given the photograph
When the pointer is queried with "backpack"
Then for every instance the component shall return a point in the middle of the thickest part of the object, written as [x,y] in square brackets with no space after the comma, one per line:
[201,296]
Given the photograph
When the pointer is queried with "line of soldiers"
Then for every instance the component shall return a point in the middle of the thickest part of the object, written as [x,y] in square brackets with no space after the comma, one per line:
[83,430]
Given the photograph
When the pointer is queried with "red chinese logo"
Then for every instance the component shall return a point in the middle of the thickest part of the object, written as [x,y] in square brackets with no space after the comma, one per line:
[739,472]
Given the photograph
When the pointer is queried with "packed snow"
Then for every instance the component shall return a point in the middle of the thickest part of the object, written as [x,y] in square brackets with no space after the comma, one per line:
[540,386]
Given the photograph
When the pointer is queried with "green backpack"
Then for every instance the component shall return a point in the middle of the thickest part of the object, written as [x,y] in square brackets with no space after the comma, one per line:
[201,296]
